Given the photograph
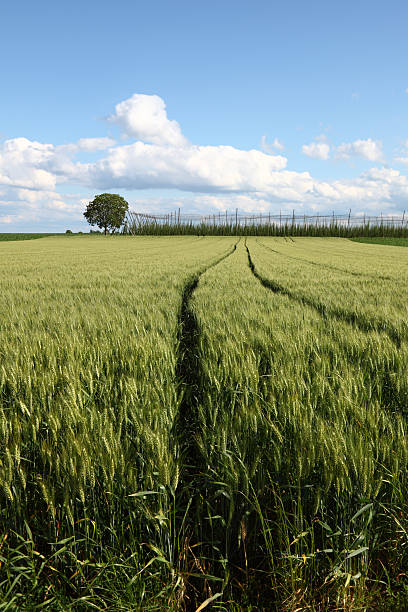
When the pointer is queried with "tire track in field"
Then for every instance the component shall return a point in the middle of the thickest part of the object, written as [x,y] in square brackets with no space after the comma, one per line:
[188,358]
[328,266]
[352,318]
[185,429]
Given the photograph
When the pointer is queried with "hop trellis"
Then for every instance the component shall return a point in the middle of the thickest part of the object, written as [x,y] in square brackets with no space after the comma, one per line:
[265,223]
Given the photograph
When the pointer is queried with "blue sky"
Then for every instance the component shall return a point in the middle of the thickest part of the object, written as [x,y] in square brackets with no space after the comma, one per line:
[277,106]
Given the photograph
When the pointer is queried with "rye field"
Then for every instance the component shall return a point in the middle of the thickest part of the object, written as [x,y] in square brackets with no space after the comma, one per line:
[192,423]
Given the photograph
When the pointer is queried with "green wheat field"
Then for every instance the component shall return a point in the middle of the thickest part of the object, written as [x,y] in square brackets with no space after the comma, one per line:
[192,423]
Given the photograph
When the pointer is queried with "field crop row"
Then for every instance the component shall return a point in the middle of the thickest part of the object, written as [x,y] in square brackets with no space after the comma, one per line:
[301,426]
[189,421]
[353,258]
[375,300]
[89,394]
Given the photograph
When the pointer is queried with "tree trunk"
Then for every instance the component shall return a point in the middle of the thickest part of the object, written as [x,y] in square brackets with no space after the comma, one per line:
[105,231]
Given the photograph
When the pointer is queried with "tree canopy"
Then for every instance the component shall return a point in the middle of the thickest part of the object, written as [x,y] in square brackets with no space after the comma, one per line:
[107,211]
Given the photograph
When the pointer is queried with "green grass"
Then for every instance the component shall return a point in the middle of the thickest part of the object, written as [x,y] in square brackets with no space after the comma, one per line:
[11,236]
[388,241]
[181,421]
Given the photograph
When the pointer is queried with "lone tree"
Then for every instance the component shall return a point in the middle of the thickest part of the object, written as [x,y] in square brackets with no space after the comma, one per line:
[107,211]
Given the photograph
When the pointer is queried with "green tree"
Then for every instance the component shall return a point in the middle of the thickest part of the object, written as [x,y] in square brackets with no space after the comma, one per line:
[107,211]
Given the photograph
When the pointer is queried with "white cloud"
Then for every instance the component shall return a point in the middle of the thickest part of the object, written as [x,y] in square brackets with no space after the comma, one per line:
[403,157]
[215,177]
[270,148]
[402,160]
[193,168]
[23,164]
[367,149]
[145,118]
[317,150]
[90,145]
[377,190]
[386,175]
[25,208]
[84,145]
[209,203]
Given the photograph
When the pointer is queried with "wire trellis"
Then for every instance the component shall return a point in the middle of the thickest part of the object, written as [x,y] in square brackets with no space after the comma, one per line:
[226,218]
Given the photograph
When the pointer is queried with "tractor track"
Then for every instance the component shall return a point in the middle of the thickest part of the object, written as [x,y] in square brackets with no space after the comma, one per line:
[352,318]
[186,427]
[188,358]
[364,275]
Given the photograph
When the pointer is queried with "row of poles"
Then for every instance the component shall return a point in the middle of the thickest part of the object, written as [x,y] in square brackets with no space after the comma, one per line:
[228,218]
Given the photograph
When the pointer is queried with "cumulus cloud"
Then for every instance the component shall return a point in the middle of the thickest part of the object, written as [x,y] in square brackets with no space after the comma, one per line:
[403,157]
[90,145]
[193,168]
[317,150]
[215,177]
[24,207]
[84,145]
[379,189]
[367,149]
[23,163]
[402,160]
[270,148]
[145,118]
